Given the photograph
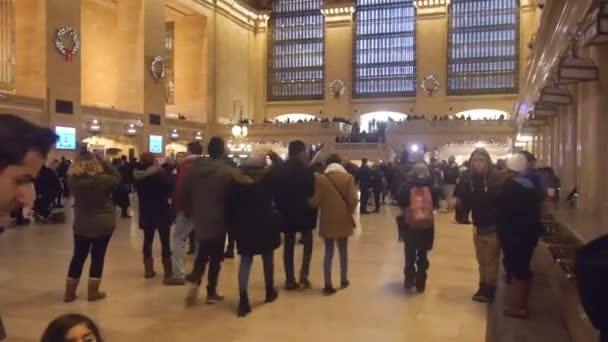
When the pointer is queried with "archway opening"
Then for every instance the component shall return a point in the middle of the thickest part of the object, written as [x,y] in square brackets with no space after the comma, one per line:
[461,151]
[484,114]
[379,116]
[295,117]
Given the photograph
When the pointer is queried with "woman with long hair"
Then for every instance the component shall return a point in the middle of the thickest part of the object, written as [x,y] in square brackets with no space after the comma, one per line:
[72,327]
[92,182]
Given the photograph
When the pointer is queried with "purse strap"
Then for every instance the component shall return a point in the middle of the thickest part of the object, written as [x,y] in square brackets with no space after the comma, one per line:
[337,190]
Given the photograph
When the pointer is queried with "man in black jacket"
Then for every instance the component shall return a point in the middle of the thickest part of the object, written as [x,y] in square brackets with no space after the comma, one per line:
[480,193]
[365,178]
[293,183]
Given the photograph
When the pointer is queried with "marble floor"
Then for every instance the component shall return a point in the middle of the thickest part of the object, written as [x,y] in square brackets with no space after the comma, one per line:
[33,262]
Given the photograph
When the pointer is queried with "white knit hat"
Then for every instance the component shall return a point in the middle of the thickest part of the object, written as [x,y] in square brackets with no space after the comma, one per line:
[517,163]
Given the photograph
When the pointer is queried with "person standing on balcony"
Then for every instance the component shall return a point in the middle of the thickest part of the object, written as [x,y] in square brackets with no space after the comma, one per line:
[365,179]
[293,183]
[480,193]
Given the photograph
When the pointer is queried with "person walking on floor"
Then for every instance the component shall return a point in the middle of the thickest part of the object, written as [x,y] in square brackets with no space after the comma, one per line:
[336,197]
[365,179]
[203,200]
[293,184]
[480,189]
[91,181]
[519,228]
[122,192]
[154,188]
[379,184]
[255,226]
[183,230]
[416,199]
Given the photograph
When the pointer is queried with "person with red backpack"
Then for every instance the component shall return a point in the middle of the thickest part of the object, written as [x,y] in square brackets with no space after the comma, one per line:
[417,223]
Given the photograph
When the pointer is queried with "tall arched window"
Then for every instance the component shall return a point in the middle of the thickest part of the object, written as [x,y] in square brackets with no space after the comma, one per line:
[483,47]
[295,68]
[385,48]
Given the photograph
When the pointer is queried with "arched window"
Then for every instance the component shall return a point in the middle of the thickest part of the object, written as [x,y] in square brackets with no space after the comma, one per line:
[385,48]
[295,68]
[483,47]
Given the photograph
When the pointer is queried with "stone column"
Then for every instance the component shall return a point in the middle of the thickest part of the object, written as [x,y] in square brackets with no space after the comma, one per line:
[259,70]
[339,61]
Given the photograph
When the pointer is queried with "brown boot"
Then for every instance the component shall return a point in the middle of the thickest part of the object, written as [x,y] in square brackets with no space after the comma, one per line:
[94,293]
[71,285]
[517,306]
[168,267]
[149,268]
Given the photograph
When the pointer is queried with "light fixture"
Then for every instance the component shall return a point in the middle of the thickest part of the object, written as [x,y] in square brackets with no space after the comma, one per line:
[520,144]
[574,69]
[543,111]
[198,136]
[555,96]
[240,131]
[94,127]
[174,134]
[130,130]
[338,10]
[414,148]
[596,24]
[537,122]
[524,138]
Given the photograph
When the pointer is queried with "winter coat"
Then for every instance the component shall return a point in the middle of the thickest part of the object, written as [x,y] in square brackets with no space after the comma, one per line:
[519,212]
[154,189]
[365,177]
[293,184]
[480,194]
[336,197]
[254,222]
[415,238]
[183,169]
[93,208]
[204,196]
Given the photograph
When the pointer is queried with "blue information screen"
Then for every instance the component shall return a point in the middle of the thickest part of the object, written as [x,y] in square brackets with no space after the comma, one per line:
[67,138]
[156,144]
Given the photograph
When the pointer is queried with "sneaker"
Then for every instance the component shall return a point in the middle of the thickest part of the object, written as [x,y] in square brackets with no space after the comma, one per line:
[192,296]
[329,290]
[344,284]
[271,295]
[305,284]
[291,286]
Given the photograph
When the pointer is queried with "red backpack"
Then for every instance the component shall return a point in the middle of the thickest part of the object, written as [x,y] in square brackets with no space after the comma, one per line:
[419,215]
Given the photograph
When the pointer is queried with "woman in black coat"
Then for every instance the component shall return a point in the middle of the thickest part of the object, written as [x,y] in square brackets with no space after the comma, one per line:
[154,189]
[255,226]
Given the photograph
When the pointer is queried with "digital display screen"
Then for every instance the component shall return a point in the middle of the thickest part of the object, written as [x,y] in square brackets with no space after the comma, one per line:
[67,138]
[156,144]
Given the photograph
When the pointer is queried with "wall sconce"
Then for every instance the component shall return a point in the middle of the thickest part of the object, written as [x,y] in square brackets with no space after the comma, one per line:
[574,69]
[555,96]
[596,29]
[198,136]
[131,130]
[173,134]
[94,127]
[430,3]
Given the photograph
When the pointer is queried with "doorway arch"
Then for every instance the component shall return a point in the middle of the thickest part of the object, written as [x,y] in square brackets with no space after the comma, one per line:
[380,116]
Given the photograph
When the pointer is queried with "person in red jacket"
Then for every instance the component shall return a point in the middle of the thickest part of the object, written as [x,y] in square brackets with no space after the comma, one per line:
[183,226]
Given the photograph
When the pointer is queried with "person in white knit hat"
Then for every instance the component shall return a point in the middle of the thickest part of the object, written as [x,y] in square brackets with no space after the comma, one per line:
[519,228]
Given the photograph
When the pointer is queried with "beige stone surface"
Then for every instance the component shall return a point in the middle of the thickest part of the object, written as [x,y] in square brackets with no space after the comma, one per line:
[33,264]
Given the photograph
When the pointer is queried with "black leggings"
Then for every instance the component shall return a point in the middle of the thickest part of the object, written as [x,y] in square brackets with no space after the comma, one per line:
[164,234]
[97,247]
[517,257]
[210,252]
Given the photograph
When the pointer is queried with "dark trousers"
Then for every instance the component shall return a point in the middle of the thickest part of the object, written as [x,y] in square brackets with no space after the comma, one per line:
[416,262]
[164,233]
[210,252]
[364,199]
[231,243]
[245,270]
[83,246]
[517,257]
[43,203]
[377,197]
[288,255]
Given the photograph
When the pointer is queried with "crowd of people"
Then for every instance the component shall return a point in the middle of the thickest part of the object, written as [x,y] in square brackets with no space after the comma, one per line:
[257,202]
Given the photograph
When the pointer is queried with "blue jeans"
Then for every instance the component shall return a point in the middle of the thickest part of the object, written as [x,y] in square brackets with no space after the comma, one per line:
[183,227]
[245,270]
[329,256]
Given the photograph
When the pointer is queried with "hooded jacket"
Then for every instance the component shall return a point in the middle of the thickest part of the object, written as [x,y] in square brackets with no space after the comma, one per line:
[204,196]
[480,193]
[519,211]
[154,188]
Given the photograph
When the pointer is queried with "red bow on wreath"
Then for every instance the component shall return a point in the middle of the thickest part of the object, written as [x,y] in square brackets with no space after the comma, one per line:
[68,54]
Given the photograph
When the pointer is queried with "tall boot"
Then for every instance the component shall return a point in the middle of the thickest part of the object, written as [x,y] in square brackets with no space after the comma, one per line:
[244,307]
[149,268]
[421,282]
[94,293]
[168,267]
[71,285]
[410,278]
[482,294]
[518,300]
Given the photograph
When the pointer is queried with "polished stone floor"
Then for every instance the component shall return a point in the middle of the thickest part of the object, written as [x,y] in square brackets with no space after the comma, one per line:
[33,263]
